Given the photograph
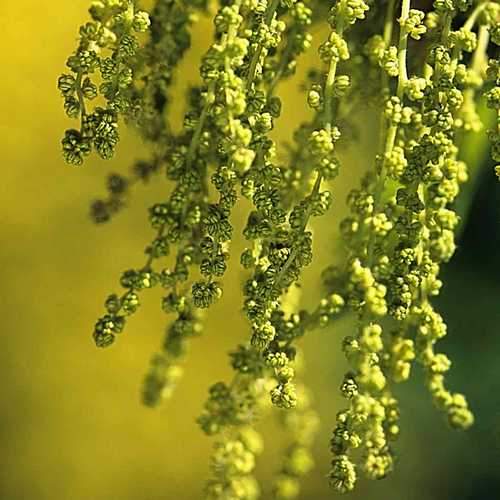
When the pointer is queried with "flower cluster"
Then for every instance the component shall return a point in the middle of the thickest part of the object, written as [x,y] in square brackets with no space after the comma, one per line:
[400,230]
[423,73]
[302,424]
[109,46]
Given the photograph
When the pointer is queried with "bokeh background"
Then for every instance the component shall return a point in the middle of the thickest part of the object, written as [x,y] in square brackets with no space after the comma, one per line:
[71,424]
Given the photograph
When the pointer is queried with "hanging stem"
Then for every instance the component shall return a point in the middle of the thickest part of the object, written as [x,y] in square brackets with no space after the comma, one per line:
[391,133]
[256,55]
[327,123]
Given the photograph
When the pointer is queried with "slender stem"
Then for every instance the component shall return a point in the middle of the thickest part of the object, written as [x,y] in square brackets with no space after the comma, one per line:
[422,189]
[327,123]
[403,48]
[469,24]
[388,24]
[482,43]
[258,51]
[445,34]
[391,133]
[195,139]
[477,64]
[388,31]
[471,146]
[479,55]
[295,250]
[79,94]
[284,60]
[330,84]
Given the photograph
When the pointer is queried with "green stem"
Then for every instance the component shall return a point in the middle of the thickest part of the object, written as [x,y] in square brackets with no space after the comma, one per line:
[327,123]
[469,24]
[389,24]
[472,144]
[258,51]
[390,137]
[283,63]
[479,56]
[330,84]
[79,94]
[295,251]
[403,48]
[195,139]
[446,29]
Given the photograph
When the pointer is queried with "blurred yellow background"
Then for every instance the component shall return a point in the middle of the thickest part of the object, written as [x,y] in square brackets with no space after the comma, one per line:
[72,426]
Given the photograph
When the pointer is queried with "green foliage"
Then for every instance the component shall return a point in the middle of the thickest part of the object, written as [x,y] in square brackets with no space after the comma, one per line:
[423,72]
